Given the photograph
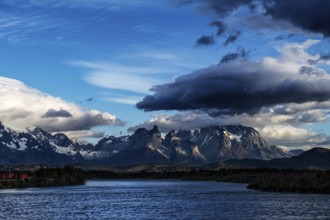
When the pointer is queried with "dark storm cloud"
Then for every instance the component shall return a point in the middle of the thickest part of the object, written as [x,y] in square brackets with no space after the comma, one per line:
[323,57]
[221,27]
[85,121]
[284,37]
[86,134]
[279,37]
[310,70]
[220,7]
[89,100]
[232,38]
[240,53]
[95,134]
[236,88]
[310,15]
[52,113]
[119,122]
[205,40]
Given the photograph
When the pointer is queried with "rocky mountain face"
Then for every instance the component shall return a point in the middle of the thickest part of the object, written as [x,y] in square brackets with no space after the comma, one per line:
[33,147]
[212,144]
[203,146]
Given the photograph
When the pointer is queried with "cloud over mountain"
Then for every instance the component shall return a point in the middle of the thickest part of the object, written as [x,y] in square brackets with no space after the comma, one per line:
[244,86]
[280,96]
[280,129]
[22,106]
[52,113]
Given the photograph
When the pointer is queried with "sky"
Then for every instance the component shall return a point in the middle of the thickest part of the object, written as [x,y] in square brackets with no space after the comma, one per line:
[91,68]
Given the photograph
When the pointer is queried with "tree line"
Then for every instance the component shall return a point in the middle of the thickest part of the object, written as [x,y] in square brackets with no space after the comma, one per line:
[276,180]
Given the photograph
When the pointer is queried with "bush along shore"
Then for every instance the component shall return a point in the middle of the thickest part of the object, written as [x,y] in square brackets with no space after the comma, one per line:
[45,177]
[273,180]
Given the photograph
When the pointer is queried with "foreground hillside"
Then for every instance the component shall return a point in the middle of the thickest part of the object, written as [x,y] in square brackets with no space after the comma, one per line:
[316,158]
[202,146]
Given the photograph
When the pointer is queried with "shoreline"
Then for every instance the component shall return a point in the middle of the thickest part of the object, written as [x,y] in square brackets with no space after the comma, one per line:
[269,180]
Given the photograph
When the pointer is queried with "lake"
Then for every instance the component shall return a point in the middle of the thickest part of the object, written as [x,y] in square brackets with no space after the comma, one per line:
[159,199]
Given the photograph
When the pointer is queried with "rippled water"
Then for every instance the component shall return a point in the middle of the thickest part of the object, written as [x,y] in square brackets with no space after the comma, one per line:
[159,199]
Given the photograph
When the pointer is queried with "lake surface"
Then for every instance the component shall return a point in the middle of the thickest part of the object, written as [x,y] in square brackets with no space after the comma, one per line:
[159,199]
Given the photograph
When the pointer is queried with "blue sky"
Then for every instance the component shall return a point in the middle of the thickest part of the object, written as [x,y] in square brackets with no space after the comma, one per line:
[46,45]
[105,55]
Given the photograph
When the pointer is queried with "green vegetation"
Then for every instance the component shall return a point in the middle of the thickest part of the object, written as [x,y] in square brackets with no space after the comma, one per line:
[286,180]
[308,181]
[291,181]
[47,177]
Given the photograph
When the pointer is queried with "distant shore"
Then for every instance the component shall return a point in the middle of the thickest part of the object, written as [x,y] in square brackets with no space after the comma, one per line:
[273,180]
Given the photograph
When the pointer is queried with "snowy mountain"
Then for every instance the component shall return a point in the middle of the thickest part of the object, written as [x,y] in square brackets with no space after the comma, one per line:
[32,147]
[214,144]
[206,145]
[142,147]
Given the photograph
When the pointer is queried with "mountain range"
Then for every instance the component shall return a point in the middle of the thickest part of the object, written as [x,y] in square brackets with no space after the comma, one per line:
[202,146]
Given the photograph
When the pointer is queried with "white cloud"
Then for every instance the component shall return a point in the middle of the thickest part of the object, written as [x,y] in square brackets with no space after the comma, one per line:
[130,81]
[130,100]
[274,128]
[120,77]
[81,135]
[91,4]
[291,136]
[22,106]
[160,56]
[120,81]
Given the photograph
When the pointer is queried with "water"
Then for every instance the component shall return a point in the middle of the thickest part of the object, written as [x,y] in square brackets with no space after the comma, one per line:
[159,199]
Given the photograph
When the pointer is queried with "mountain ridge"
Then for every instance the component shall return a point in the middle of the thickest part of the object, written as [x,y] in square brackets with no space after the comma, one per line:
[315,158]
[201,146]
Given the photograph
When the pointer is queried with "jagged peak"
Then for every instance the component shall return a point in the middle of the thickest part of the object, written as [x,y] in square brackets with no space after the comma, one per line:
[184,134]
[36,129]
[171,133]
[154,130]
[140,130]
[39,132]
[2,127]
[61,136]
[239,128]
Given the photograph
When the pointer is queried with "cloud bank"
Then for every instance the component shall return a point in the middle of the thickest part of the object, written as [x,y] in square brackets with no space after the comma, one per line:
[22,106]
[310,16]
[279,96]
[280,129]
[245,86]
